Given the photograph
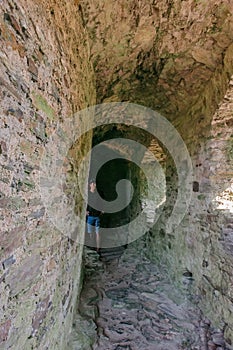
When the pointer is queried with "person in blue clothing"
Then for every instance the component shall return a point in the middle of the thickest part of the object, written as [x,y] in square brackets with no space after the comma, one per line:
[93,214]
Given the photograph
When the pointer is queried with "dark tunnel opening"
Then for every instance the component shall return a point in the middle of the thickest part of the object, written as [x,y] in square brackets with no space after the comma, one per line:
[120,165]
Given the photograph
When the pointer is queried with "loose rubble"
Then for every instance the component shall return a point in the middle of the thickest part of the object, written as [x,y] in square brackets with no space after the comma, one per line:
[129,303]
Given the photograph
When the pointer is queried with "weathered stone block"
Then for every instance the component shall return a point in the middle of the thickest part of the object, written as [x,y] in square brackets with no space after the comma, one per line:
[32,68]
[4,330]
[17,113]
[25,275]
[11,240]
[13,203]
[51,265]
[3,148]
[8,262]
[11,20]
[37,214]
[40,314]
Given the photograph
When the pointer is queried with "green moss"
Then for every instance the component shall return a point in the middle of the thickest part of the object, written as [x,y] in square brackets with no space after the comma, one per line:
[17,203]
[29,183]
[201,197]
[215,29]
[41,104]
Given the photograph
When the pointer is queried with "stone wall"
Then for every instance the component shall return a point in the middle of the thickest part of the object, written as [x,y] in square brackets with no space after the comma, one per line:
[172,56]
[210,236]
[202,244]
[46,76]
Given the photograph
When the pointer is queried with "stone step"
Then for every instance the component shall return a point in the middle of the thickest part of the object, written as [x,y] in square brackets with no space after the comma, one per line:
[108,254]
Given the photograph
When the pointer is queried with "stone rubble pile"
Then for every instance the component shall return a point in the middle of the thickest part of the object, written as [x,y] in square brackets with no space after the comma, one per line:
[129,303]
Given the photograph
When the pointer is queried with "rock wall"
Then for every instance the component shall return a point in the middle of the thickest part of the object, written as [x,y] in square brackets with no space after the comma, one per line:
[172,56]
[210,236]
[202,244]
[46,76]
[176,57]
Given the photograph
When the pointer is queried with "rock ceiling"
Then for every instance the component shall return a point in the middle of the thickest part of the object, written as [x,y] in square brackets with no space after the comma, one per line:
[167,55]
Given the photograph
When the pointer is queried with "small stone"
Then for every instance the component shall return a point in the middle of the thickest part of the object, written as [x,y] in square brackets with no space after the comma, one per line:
[218,339]
[40,314]
[11,240]
[4,330]
[3,148]
[32,68]
[2,195]
[37,214]
[11,19]
[207,321]
[25,275]
[4,202]
[211,346]
[8,262]
[17,113]
[51,265]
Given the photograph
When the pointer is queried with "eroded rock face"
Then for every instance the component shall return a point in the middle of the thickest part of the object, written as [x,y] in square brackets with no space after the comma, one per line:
[46,76]
[162,54]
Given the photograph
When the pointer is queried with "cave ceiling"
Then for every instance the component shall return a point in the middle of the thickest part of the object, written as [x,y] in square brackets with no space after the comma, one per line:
[165,55]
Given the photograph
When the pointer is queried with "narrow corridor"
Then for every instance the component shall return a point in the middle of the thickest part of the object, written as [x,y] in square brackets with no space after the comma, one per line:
[139,96]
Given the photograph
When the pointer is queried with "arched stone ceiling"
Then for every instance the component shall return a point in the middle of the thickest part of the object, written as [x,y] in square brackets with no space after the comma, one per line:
[175,56]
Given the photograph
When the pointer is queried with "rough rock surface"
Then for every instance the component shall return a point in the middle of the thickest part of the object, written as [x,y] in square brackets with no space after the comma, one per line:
[130,303]
[174,56]
[177,58]
[167,55]
[46,76]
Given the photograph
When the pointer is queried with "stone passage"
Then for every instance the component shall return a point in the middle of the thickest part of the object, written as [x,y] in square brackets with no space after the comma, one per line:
[59,57]
[130,303]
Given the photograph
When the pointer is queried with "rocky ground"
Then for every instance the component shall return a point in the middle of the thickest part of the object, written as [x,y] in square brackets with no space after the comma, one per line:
[129,303]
